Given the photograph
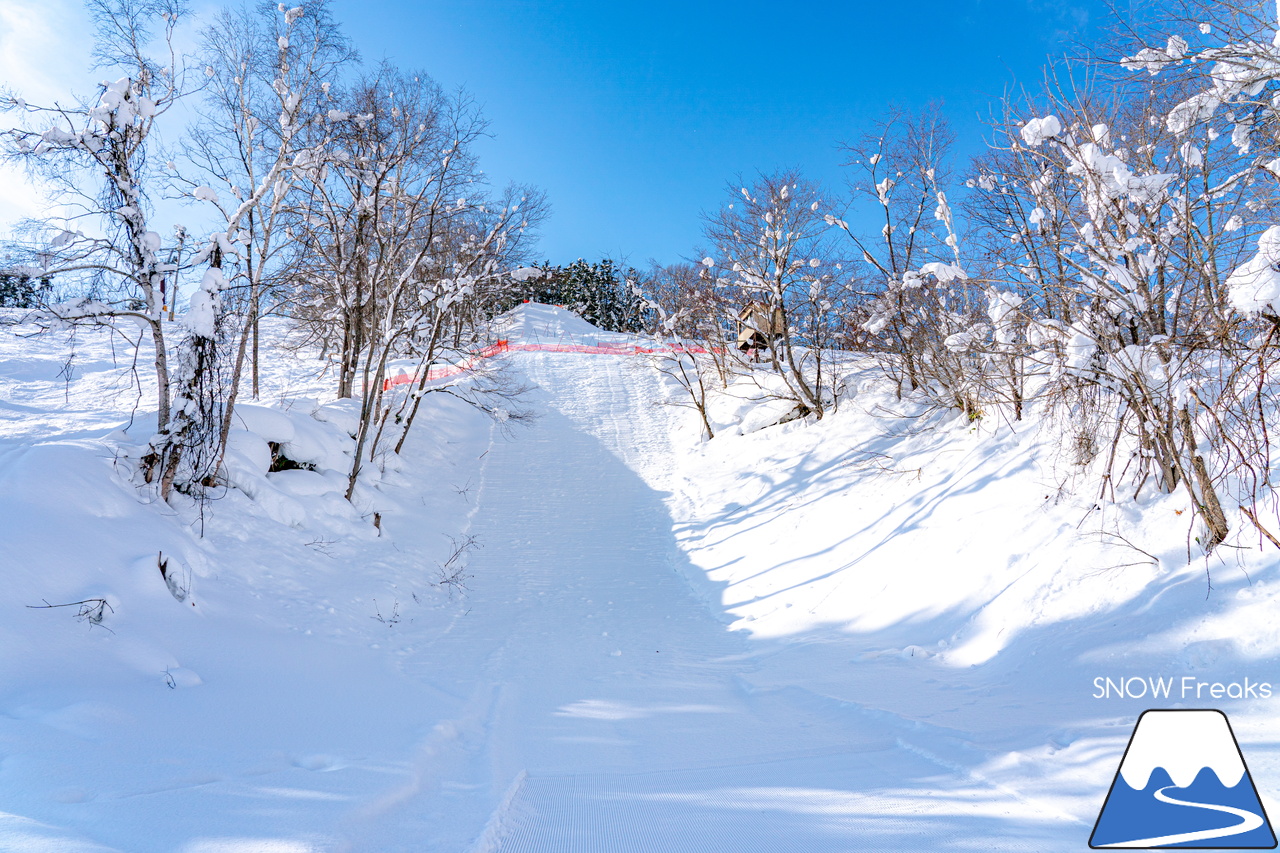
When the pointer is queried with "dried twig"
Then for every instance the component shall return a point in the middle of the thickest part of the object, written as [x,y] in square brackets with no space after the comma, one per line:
[92,609]
[1252,516]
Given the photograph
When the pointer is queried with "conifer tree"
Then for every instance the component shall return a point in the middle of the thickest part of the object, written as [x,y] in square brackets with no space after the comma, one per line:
[601,292]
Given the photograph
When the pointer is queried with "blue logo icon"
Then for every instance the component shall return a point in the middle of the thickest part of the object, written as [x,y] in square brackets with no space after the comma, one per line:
[1183,783]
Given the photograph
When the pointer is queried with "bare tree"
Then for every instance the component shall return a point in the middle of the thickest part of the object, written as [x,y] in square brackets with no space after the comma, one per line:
[269,77]
[690,313]
[915,294]
[95,155]
[773,247]
[398,236]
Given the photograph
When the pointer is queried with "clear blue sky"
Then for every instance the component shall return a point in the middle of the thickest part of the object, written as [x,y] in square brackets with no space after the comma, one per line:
[632,116]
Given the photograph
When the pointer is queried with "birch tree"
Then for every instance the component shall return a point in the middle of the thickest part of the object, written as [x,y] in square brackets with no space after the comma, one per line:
[269,122]
[97,157]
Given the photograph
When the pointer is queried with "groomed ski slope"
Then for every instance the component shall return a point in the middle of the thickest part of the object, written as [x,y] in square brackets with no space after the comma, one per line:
[767,642]
[625,712]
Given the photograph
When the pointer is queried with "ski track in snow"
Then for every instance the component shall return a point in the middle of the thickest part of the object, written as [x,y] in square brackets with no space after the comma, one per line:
[610,691]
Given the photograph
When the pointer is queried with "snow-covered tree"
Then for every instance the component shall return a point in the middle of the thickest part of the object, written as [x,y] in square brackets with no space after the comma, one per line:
[689,313]
[265,121]
[915,293]
[1121,226]
[269,72]
[97,157]
[93,155]
[1220,67]
[773,247]
[399,239]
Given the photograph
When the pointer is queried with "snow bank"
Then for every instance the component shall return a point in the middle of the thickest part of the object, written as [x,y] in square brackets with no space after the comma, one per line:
[286,459]
[537,323]
[222,703]
[748,405]
[270,424]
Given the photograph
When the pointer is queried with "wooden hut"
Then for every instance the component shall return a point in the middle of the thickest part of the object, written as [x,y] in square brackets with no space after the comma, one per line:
[756,328]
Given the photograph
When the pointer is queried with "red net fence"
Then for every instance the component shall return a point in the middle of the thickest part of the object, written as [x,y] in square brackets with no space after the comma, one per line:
[446,371]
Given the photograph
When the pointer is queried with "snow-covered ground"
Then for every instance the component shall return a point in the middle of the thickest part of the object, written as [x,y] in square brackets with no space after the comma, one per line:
[877,632]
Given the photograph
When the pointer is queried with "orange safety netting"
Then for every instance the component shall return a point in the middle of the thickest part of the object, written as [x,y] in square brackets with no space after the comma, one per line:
[505,346]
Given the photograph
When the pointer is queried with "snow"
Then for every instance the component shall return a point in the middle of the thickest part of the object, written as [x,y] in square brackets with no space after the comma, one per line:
[248,455]
[324,445]
[1002,308]
[1037,130]
[1241,136]
[526,273]
[269,423]
[1153,60]
[943,272]
[749,405]
[883,188]
[202,314]
[1112,177]
[1255,284]
[1191,112]
[344,414]
[883,625]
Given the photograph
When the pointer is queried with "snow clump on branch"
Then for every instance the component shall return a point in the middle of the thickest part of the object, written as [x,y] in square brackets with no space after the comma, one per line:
[1255,285]
[1036,131]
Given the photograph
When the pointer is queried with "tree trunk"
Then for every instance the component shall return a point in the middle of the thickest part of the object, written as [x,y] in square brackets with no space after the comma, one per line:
[254,320]
[1207,503]
[162,375]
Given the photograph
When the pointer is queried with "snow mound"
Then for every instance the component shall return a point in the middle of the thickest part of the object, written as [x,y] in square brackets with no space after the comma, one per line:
[293,462]
[538,323]
[271,424]
[344,414]
[750,405]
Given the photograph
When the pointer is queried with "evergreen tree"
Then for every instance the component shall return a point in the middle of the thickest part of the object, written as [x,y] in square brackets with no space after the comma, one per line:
[600,292]
[18,290]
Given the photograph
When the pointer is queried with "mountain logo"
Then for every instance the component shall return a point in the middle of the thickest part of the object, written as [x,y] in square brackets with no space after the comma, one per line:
[1183,783]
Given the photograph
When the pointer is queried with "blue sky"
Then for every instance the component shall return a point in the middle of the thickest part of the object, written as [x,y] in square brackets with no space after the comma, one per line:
[633,116]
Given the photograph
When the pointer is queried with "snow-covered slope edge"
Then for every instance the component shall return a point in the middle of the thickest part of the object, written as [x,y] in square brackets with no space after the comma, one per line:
[239,692]
[961,575]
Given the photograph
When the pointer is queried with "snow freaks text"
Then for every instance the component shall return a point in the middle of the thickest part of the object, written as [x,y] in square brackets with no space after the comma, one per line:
[1184,687]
